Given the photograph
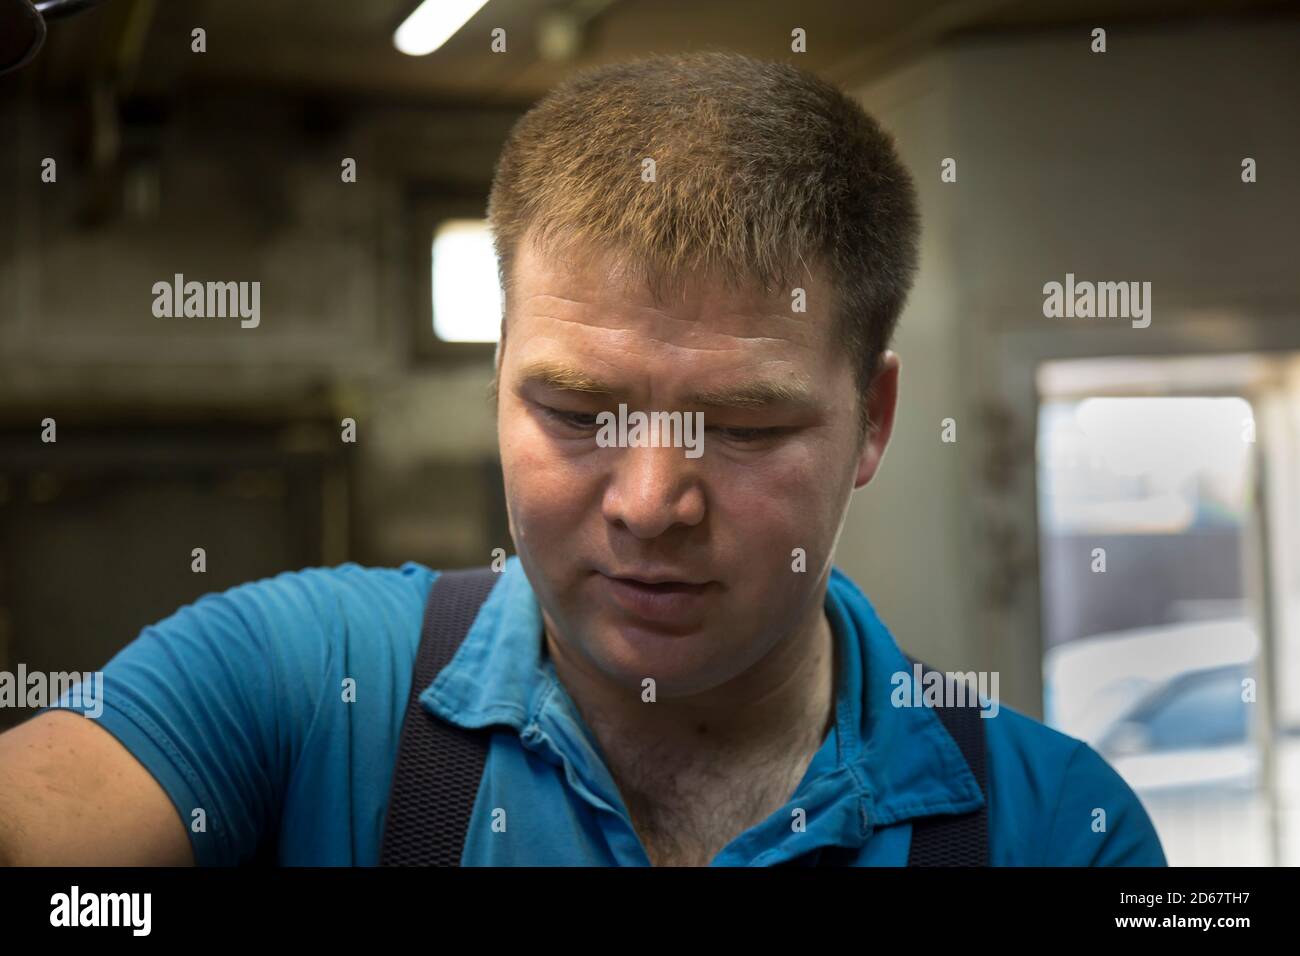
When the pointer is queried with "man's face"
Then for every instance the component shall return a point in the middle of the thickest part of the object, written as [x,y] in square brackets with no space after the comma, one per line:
[771,479]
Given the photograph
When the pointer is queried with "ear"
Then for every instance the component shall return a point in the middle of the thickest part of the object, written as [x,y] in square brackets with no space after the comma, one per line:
[882,400]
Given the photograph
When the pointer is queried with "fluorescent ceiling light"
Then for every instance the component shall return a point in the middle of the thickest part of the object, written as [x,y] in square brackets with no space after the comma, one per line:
[432,24]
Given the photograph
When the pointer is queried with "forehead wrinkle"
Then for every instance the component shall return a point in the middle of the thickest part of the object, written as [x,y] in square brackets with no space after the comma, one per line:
[550,295]
[692,346]
[733,347]
[709,321]
[601,304]
[701,331]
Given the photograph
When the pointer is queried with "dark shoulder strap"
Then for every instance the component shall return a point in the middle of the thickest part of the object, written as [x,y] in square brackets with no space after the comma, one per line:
[439,765]
[956,839]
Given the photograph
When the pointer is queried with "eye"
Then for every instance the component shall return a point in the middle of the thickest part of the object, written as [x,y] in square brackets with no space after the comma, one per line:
[580,421]
[749,436]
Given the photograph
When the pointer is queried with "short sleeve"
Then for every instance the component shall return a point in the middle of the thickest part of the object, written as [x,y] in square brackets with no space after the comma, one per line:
[215,702]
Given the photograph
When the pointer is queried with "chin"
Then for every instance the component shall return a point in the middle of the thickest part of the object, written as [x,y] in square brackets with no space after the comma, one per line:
[628,655]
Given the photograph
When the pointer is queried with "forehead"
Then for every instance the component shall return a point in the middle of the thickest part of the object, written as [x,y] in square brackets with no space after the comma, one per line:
[586,299]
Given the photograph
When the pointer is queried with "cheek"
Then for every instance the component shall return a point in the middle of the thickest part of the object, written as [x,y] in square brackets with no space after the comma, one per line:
[547,492]
[776,505]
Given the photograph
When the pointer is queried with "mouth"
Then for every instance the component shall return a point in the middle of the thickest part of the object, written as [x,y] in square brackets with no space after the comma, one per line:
[662,587]
[662,602]
[660,575]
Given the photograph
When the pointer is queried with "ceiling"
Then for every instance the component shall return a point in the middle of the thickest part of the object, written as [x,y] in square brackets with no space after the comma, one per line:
[343,48]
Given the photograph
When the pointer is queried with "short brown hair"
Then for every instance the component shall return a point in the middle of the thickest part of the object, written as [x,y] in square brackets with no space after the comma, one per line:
[759,167]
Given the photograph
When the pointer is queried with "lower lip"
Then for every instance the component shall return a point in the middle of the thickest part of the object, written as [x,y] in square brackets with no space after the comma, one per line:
[662,604]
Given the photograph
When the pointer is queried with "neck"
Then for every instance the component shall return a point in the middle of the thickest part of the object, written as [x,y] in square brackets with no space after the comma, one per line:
[785,703]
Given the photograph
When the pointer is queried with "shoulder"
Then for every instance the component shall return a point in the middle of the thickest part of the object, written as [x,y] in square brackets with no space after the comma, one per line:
[289,627]
[333,599]
[345,587]
[1054,801]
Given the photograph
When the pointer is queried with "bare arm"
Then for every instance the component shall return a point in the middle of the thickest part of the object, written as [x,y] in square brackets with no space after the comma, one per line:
[72,795]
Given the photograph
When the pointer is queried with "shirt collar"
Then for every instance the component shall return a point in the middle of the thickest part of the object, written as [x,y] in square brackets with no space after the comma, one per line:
[900,761]
[906,757]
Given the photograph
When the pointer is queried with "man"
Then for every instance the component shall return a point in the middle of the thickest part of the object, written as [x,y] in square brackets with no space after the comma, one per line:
[671,671]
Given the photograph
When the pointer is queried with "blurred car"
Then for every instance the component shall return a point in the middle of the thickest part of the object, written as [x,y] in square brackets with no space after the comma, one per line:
[1167,707]
[1191,731]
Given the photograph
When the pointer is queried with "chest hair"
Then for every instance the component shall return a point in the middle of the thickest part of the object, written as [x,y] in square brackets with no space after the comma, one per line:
[687,807]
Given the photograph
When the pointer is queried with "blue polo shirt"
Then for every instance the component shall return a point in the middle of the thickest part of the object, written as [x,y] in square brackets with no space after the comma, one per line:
[277,706]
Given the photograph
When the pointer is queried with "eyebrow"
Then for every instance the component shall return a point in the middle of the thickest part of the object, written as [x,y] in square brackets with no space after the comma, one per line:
[757,394]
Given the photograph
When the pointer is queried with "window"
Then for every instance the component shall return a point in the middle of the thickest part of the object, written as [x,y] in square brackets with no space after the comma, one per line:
[466,293]
[1170,580]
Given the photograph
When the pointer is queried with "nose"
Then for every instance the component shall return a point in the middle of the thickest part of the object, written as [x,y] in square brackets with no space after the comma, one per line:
[653,489]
